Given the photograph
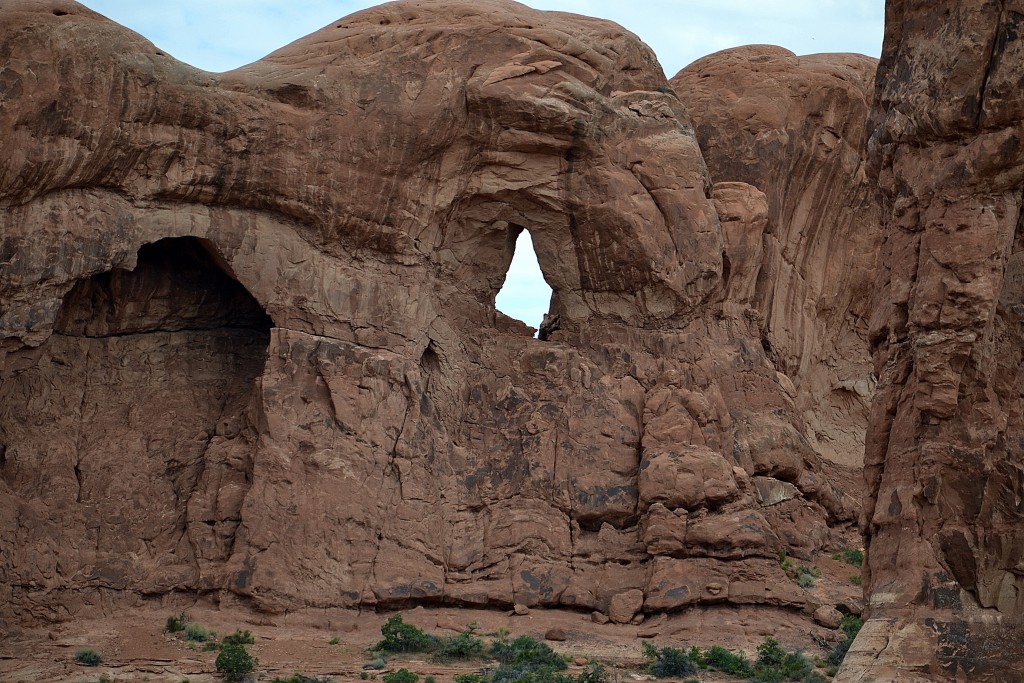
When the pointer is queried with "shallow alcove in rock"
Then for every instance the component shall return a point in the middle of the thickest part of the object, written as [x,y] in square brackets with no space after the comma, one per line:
[129,430]
[178,284]
[525,295]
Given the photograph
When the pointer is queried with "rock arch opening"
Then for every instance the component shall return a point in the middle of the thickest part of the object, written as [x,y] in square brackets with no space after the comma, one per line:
[525,294]
[133,426]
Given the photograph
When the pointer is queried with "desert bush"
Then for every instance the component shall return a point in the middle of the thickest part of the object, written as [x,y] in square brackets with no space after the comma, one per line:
[199,633]
[775,665]
[470,678]
[377,664]
[234,661]
[176,623]
[733,663]
[402,637]
[527,660]
[239,638]
[850,625]
[88,657]
[785,562]
[526,650]
[401,676]
[463,646]
[667,662]
[850,556]
[595,673]
[770,653]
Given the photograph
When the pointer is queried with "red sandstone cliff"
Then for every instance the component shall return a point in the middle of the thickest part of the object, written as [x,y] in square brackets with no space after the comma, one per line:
[943,460]
[250,343]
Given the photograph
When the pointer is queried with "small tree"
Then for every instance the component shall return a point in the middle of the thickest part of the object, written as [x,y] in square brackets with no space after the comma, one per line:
[402,637]
[234,661]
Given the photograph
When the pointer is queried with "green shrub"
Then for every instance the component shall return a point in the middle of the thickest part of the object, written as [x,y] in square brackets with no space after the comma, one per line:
[210,646]
[527,660]
[775,665]
[470,678]
[855,579]
[377,664]
[176,624]
[198,633]
[364,675]
[770,653]
[667,662]
[334,641]
[595,673]
[88,657]
[402,637]
[785,562]
[401,676]
[526,650]
[735,664]
[299,678]
[851,557]
[240,638]
[234,661]
[850,625]
[463,646]
[805,580]
[429,679]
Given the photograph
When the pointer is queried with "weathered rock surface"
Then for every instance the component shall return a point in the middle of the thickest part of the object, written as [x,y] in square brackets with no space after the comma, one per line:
[793,127]
[624,606]
[249,343]
[943,516]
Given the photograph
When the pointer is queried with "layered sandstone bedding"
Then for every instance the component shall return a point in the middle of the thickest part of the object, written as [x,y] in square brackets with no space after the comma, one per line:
[249,350]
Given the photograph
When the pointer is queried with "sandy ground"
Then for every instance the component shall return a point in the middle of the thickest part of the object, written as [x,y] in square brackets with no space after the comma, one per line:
[135,647]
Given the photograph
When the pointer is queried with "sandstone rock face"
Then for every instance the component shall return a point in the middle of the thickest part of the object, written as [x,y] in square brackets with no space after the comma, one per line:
[943,518]
[248,343]
[793,127]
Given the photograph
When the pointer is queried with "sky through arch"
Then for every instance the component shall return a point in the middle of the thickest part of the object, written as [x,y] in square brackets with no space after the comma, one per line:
[525,295]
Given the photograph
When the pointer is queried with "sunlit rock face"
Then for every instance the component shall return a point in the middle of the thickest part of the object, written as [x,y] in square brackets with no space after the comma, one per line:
[249,344]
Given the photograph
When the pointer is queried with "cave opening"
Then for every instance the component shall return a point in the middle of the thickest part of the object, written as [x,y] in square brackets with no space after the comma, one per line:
[525,294]
[138,420]
[178,283]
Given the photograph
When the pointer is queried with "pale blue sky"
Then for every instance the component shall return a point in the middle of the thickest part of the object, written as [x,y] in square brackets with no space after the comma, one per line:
[219,35]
